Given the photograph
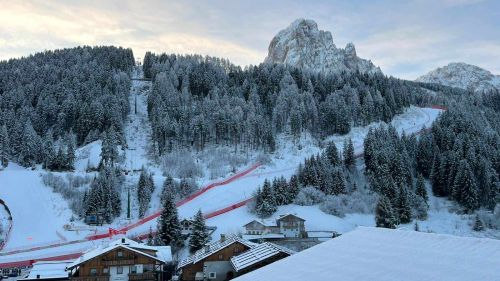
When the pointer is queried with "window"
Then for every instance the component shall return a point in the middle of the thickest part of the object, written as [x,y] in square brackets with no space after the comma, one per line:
[93,271]
[148,268]
[133,269]
[119,270]
[105,270]
[212,275]
[119,254]
[221,257]
[236,250]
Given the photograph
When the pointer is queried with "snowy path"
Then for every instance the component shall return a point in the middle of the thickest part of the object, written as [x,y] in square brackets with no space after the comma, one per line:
[137,127]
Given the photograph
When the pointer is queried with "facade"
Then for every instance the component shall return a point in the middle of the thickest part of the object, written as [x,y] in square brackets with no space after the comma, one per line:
[187,227]
[213,261]
[122,260]
[286,226]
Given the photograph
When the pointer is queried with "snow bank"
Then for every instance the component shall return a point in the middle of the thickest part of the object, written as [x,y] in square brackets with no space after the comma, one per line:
[383,254]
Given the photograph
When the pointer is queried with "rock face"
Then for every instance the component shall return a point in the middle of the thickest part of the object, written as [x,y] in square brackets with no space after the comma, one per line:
[462,75]
[303,45]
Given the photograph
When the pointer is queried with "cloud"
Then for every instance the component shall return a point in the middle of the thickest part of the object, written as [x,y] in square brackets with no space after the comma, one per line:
[406,38]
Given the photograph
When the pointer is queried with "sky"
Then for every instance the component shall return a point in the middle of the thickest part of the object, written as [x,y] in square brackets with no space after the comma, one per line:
[405,38]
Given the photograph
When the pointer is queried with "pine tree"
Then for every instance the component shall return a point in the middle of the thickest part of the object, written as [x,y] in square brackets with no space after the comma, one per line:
[150,237]
[145,188]
[293,188]
[478,224]
[266,204]
[348,154]
[466,188]
[403,206]
[420,189]
[4,146]
[384,214]
[199,236]
[416,227]
[332,154]
[339,185]
[169,228]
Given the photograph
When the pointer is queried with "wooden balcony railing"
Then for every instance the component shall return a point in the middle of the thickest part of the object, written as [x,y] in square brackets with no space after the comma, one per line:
[90,278]
[146,276]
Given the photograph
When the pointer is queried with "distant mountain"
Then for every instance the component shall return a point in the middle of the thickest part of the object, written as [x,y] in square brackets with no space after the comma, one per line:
[302,45]
[462,75]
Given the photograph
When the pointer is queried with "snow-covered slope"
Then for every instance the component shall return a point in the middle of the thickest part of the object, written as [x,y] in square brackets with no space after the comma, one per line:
[462,75]
[383,254]
[302,45]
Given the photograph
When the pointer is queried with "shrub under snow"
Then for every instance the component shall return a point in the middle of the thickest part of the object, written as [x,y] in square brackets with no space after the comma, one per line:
[181,164]
[359,201]
[309,196]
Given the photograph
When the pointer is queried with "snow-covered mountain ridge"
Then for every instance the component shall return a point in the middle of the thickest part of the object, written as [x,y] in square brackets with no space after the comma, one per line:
[462,75]
[303,45]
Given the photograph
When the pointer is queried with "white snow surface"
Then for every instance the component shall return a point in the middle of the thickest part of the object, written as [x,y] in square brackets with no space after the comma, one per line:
[462,75]
[382,254]
[302,45]
[49,269]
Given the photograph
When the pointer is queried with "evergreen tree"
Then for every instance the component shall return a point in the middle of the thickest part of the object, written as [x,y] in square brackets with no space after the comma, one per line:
[332,154]
[384,214]
[403,206]
[478,224]
[293,188]
[420,189]
[4,146]
[145,188]
[150,241]
[339,185]
[348,154]
[267,203]
[169,228]
[199,236]
[466,188]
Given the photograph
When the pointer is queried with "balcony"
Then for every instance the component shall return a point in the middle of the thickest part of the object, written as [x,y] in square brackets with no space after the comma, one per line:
[146,276]
[90,278]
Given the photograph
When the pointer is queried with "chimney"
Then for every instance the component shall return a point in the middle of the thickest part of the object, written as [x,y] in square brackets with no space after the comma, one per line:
[222,237]
[123,240]
[38,276]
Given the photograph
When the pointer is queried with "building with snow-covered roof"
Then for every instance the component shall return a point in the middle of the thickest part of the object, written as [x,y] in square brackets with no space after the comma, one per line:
[123,259]
[48,270]
[368,253]
[259,256]
[213,261]
[285,226]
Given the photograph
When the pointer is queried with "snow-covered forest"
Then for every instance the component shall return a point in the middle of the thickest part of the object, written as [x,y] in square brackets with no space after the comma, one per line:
[54,101]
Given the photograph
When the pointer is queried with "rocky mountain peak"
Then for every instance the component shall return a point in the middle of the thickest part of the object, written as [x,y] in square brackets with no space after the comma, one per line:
[303,45]
[462,75]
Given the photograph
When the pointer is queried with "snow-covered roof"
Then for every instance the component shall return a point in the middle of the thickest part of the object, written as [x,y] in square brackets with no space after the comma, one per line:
[212,248]
[257,254]
[263,236]
[263,222]
[383,254]
[288,215]
[163,254]
[48,269]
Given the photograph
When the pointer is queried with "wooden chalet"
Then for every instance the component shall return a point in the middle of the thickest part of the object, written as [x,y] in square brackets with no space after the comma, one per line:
[122,260]
[285,226]
[213,261]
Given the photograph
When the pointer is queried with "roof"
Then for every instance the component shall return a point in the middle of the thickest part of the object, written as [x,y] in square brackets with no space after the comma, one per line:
[290,215]
[263,236]
[258,254]
[162,253]
[368,253]
[49,270]
[213,248]
[262,222]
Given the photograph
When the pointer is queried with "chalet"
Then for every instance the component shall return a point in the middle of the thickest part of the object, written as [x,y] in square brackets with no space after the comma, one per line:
[121,260]
[259,256]
[187,227]
[283,227]
[213,262]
